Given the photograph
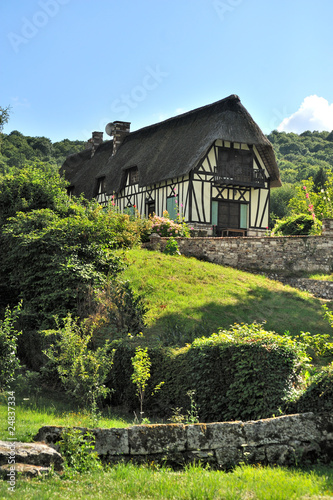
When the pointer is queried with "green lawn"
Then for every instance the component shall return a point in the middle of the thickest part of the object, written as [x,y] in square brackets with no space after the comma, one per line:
[187,295]
[50,408]
[128,482]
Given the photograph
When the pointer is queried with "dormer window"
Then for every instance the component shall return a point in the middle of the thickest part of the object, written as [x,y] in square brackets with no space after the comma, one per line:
[101,191]
[133,176]
[101,188]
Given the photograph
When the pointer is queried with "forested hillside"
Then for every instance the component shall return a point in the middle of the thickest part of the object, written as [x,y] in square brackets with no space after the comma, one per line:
[302,156]
[18,150]
[299,156]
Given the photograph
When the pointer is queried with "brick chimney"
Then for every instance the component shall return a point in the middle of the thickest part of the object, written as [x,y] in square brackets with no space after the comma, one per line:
[119,131]
[95,141]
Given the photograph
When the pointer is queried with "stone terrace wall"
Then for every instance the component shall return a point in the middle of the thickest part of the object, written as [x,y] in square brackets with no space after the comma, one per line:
[286,440]
[285,254]
[319,288]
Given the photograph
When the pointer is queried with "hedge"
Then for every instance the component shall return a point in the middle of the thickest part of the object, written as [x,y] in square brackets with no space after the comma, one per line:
[240,374]
[318,396]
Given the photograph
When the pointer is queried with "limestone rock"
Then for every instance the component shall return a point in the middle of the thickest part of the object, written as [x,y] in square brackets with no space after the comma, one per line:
[26,470]
[38,454]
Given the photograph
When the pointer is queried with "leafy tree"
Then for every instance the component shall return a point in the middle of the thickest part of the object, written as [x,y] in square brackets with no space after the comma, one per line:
[82,370]
[280,198]
[34,187]
[19,150]
[4,116]
[307,199]
[52,260]
[9,361]
[320,179]
[141,374]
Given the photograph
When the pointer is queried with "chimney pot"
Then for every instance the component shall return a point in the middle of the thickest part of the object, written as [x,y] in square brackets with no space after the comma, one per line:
[120,131]
[95,141]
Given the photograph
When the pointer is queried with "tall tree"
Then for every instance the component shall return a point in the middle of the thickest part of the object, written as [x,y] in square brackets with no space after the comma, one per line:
[4,116]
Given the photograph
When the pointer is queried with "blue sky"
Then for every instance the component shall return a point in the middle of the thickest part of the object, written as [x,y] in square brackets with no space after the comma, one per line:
[68,67]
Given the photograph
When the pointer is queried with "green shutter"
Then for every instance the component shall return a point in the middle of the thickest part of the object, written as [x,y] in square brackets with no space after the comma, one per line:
[243,216]
[215,208]
[172,208]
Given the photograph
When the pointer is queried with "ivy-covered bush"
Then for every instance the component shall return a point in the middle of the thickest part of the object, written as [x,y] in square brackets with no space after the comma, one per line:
[318,396]
[243,373]
[294,225]
[51,261]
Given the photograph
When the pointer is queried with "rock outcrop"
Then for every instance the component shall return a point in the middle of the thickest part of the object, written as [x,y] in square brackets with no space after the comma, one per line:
[31,459]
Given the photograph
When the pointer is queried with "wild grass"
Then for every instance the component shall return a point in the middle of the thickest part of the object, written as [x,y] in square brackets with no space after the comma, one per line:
[194,483]
[187,298]
[322,277]
[50,408]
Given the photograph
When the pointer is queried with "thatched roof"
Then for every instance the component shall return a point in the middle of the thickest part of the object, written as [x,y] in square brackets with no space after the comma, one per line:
[171,148]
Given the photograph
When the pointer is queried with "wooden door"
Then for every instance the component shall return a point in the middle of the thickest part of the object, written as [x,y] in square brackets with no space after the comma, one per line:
[228,215]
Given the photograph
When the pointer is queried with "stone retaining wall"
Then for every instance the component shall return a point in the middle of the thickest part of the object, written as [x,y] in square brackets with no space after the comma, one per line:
[285,254]
[286,440]
[319,288]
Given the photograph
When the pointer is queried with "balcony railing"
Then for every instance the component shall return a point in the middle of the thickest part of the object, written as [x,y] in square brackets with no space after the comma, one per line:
[240,176]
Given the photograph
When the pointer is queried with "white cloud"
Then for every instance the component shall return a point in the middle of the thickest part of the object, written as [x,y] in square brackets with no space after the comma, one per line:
[165,116]
[315,113]
[17,101]
[180,111]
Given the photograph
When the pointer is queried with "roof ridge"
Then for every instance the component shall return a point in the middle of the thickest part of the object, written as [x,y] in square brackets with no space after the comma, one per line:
[231,97]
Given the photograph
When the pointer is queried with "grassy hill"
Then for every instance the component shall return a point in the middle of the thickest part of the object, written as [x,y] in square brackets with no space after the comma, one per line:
[188,298]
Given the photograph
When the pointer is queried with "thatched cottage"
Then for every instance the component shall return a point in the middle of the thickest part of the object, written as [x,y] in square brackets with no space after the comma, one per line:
[213,163]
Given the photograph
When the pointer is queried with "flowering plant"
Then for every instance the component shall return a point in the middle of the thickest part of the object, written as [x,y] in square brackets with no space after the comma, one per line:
[317,203]
[164,226]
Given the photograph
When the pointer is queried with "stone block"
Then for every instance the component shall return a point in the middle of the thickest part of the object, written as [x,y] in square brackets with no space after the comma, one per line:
[50,434]
[280,454]
[254,454]
[215,435]
[228,457]
[162,438]
[111,441]
[107,441]
[281,430]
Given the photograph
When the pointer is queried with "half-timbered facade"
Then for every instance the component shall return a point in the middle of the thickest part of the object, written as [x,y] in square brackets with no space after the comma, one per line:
[213,164]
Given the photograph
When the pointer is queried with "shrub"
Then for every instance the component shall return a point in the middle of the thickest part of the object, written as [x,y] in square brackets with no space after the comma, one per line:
[171,247]
[51,261]
[144,226]
[82,371]
[166,227]
[115,311]
[9,361]
[294,225]
[31,188]
[78,452]
[318,396]
[243,373]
